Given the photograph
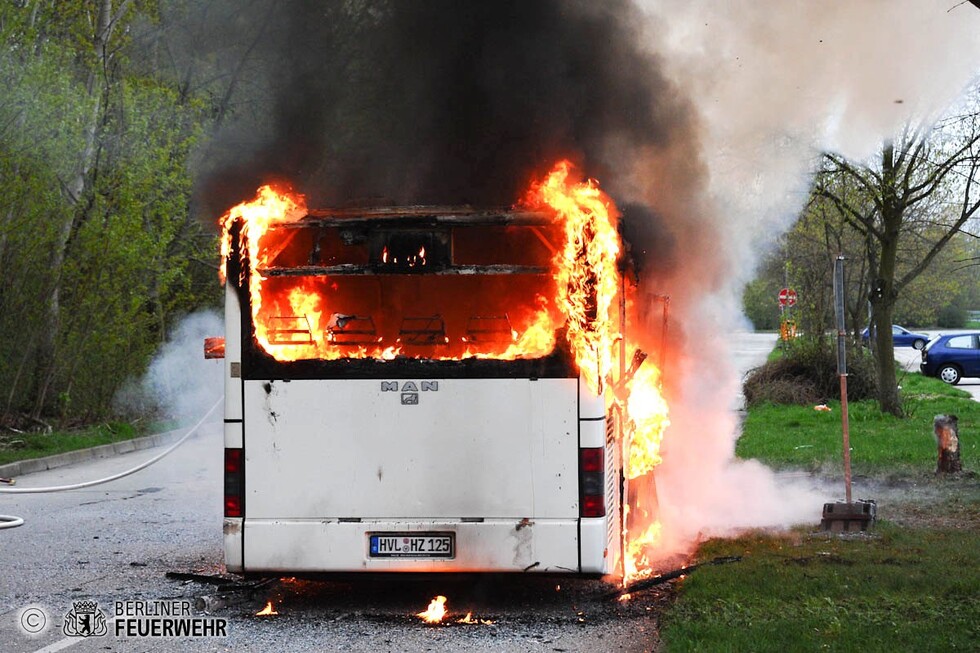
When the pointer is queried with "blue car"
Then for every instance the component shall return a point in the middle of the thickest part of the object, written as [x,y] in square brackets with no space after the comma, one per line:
[902,337]
[952,357]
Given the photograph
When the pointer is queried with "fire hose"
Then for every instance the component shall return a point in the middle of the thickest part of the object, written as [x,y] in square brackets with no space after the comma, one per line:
[12,521]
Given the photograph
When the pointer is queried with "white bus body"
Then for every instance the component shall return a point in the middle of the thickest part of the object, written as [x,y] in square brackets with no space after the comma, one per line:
[397,470]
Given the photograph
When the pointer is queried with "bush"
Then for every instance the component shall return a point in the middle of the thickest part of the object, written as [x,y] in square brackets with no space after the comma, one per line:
[806,374]
[951,317]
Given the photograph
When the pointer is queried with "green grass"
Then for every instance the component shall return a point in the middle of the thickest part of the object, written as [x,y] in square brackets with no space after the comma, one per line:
[16,446]
[895,590]
[799,436]
[909,584]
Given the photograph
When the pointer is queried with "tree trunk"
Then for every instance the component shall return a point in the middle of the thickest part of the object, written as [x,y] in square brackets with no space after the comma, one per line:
[947,434]
[888,400]
[46,362]
[883,292]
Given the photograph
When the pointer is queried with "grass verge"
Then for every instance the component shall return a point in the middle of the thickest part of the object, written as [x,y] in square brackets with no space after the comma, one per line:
[800,437]
[26,446]
[897,589]
[910,584]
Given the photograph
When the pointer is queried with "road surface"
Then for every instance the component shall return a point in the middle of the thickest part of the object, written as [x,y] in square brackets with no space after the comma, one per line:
[116,542]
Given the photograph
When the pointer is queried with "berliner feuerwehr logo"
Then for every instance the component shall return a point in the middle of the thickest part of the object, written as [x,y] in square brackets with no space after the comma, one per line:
[85,620]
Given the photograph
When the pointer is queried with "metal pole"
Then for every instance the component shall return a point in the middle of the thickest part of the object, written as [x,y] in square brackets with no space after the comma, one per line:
[842,369]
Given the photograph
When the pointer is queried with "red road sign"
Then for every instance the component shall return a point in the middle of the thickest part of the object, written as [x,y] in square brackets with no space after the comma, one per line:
[787,297]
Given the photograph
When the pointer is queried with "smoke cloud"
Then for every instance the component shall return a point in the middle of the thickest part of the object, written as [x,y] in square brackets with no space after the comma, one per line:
[179,383]
[443,101]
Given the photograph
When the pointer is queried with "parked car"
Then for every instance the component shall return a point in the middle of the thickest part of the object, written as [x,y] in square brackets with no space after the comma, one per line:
[902,337]
[951,357]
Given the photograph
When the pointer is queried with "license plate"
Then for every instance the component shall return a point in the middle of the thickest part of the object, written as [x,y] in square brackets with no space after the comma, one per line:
[413,545]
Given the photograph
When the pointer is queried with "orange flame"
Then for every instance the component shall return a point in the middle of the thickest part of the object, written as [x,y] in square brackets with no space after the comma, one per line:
[290,318]
[646,410]
[637,548]
[269,207]
[266,611]
[588,285]
[468,619]
[585,268]
[435,612]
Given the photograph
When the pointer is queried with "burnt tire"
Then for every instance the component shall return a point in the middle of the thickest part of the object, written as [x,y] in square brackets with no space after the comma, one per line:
[919,344]
[949,374]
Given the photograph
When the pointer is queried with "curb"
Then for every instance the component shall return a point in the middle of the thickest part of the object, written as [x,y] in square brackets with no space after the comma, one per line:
[22,467]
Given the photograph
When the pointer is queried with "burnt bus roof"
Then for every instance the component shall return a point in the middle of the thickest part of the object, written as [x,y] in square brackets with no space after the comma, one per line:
[415,217]
[411,218]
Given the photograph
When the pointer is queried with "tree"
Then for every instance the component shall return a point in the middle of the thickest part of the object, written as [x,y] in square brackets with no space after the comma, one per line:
[922,182]
[97,244]
[804,261]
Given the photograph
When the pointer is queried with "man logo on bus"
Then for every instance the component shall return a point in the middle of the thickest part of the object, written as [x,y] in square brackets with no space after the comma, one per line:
[410,390]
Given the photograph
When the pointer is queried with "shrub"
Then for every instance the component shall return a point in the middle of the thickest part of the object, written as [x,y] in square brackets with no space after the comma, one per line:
[806,373]
[951,317]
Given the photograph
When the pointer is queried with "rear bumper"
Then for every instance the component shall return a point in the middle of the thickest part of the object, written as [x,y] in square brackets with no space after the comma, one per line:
[284,546]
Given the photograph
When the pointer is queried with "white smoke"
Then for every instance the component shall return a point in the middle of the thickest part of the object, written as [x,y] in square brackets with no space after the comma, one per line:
[179,384]
[773,84]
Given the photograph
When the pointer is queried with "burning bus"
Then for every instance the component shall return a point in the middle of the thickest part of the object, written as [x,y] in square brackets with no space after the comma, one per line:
[431,388]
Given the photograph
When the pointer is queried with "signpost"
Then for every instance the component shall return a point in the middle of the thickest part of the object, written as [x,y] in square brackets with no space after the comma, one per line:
[849,515]
[842,369]
[787,297]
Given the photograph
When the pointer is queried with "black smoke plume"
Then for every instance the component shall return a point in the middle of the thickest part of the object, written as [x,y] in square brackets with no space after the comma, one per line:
[438,101]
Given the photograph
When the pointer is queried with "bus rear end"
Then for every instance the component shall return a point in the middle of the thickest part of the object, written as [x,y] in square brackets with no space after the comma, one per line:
[400,397]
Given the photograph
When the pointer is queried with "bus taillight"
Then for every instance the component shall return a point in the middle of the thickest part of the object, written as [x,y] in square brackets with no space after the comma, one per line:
[234,483]
[592,501]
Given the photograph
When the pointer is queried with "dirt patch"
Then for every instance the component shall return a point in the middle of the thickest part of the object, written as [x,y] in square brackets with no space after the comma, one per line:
[922,500]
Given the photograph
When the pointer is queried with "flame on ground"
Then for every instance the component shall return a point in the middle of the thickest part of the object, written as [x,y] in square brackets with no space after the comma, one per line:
[435,612]
[267,610]
[468,619]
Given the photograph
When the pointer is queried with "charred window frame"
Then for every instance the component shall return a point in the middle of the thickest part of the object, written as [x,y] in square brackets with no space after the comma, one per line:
[398,241]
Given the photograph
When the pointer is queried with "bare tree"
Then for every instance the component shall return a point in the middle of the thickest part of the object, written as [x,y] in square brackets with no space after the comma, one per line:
[924,181]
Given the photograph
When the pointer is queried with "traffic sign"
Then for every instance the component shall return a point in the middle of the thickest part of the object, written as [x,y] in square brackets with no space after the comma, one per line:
[787,297]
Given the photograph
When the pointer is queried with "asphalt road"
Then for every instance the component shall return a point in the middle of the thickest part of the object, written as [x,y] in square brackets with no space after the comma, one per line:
[749,350]
[116,542]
